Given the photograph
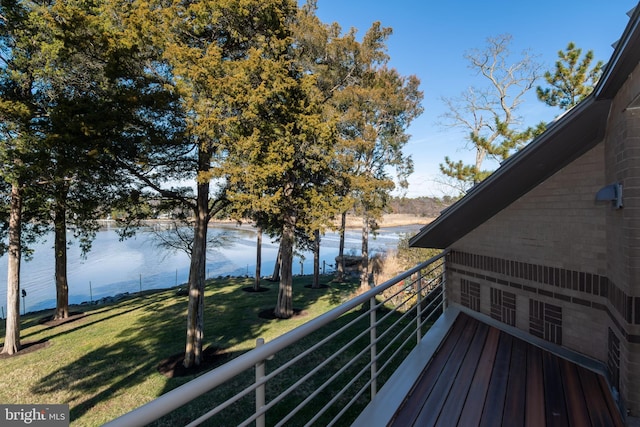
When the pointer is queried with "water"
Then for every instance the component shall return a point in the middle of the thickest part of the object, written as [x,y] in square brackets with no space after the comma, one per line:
[114,267]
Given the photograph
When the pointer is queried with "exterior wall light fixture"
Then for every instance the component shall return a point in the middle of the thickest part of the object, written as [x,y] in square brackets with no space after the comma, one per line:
[611,193]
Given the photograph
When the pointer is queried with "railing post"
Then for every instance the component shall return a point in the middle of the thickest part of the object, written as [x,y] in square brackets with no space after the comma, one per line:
[374,353]
[260,390]
[443,280]
[419,309]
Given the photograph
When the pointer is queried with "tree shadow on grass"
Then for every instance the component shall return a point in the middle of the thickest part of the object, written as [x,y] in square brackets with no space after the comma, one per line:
[251,289]
[97,376]
[270,314]
[342,291]
[81,320]
[319,287]
[157,333]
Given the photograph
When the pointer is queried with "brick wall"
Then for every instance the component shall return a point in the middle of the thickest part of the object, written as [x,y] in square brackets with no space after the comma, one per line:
[622,160]
[549,249]
[565,307]
[556,224]
[623,165]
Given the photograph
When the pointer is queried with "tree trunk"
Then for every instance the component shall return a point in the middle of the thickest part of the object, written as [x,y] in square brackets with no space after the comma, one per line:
[60,249]
[275,277]
[340,266]
[284,307]
[197,272]
[364,274]
[316,261]
[12,333]
[256,285]
[481,154]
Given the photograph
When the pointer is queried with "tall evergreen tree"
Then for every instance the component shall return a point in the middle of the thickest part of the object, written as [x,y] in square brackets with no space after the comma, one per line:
[372,106]
[22,127]
[88,92]
[85,109]
[282,161]
[376,116]
[205,55]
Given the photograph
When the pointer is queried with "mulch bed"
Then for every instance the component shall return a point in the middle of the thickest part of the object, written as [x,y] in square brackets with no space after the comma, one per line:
[27,347]
[50,321]
[322,286]
[173,367]
[269,314]
[251,289]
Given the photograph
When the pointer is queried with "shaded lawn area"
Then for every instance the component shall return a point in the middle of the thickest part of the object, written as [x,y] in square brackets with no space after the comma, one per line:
[104,363]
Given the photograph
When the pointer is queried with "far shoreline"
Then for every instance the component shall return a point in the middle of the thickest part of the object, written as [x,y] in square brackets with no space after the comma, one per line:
[353,222]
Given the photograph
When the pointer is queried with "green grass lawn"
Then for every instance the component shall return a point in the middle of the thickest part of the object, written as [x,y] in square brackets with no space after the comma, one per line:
[104,364]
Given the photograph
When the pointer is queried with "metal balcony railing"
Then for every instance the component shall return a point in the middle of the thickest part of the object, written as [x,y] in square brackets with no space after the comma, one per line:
[324,372]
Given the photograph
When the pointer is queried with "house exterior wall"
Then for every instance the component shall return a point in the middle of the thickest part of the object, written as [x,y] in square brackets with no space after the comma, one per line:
[546,226]
[561,266]
[622,159]
[546,251]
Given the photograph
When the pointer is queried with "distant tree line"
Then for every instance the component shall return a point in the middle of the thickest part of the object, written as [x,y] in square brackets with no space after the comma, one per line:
[428,207]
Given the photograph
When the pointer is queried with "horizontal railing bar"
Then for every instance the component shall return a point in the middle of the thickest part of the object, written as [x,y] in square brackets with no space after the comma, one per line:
[346,407]
[396,337]
[319,344]
[436,299]
[365,369]
[424,322]
[366,349]
[339,372]
[330,380]
[283,367]
[179,396]
[384,318]
[315,370]
[406,341]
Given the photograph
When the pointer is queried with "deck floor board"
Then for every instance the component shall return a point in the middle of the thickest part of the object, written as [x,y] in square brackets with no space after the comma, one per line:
[483,376]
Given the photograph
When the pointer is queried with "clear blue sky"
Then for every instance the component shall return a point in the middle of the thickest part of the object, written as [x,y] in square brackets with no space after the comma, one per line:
[430,38]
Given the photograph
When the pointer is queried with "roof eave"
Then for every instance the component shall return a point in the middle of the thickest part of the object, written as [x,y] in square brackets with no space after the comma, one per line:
[574,133]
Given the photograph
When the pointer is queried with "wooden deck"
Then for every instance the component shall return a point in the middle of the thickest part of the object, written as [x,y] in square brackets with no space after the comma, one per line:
[481,376]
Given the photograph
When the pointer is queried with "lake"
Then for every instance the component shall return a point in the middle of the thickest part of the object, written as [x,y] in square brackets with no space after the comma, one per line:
[114,267]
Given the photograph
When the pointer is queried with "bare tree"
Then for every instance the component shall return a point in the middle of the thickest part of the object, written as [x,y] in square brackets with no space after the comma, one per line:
[177,236]
[489,114]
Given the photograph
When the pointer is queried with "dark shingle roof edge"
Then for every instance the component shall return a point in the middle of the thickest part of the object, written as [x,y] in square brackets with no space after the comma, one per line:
[572,135]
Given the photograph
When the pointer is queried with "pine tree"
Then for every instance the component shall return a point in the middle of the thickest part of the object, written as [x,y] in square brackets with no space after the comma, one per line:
[573,80]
